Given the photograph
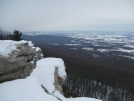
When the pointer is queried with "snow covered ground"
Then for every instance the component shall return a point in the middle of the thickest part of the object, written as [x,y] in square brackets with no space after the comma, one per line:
[29,89]
[104,42]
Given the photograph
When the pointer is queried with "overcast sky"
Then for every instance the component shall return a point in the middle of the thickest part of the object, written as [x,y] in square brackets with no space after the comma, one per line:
[67,15]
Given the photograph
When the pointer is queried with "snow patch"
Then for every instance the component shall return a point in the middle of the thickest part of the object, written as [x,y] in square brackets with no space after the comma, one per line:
[45,71]
[130,46]
[37,49]
[73,44]
[89,49]
[7,46]
[103,50]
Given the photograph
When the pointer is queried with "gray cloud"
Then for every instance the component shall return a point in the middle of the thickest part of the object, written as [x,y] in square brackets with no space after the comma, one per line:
[53,15]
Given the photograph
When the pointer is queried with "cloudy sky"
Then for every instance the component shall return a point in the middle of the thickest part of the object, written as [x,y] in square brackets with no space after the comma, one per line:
[67,15]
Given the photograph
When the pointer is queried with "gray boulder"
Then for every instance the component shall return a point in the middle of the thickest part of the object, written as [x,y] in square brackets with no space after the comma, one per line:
[19,64]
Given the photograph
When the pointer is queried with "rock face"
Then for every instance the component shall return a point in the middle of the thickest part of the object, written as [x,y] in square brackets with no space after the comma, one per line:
[20,63]
[58,81]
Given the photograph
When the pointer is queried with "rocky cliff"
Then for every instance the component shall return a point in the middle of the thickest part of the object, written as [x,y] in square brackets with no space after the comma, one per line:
[20,62]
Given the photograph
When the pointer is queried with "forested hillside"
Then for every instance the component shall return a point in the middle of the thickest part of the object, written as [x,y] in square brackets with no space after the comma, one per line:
[104,78]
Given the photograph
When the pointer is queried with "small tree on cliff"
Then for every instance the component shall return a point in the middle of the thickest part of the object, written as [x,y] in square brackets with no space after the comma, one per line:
[16,36]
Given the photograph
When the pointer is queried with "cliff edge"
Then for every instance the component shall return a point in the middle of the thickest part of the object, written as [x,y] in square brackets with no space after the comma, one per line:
[26,76]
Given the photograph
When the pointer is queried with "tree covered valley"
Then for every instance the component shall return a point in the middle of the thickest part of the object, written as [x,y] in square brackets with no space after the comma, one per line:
[95,68]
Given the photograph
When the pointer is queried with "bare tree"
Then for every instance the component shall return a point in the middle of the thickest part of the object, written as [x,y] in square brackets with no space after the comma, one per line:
[4,35]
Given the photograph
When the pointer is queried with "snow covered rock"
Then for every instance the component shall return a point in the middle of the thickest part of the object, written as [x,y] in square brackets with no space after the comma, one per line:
[51,70]
[40,85]
[17,59]
[38,53]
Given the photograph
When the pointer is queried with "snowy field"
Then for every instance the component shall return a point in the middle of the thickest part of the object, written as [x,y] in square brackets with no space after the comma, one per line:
[103,42]
[121,43]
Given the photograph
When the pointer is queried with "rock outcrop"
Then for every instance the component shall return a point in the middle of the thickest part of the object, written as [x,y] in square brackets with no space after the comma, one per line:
[59,81]
[20,63]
